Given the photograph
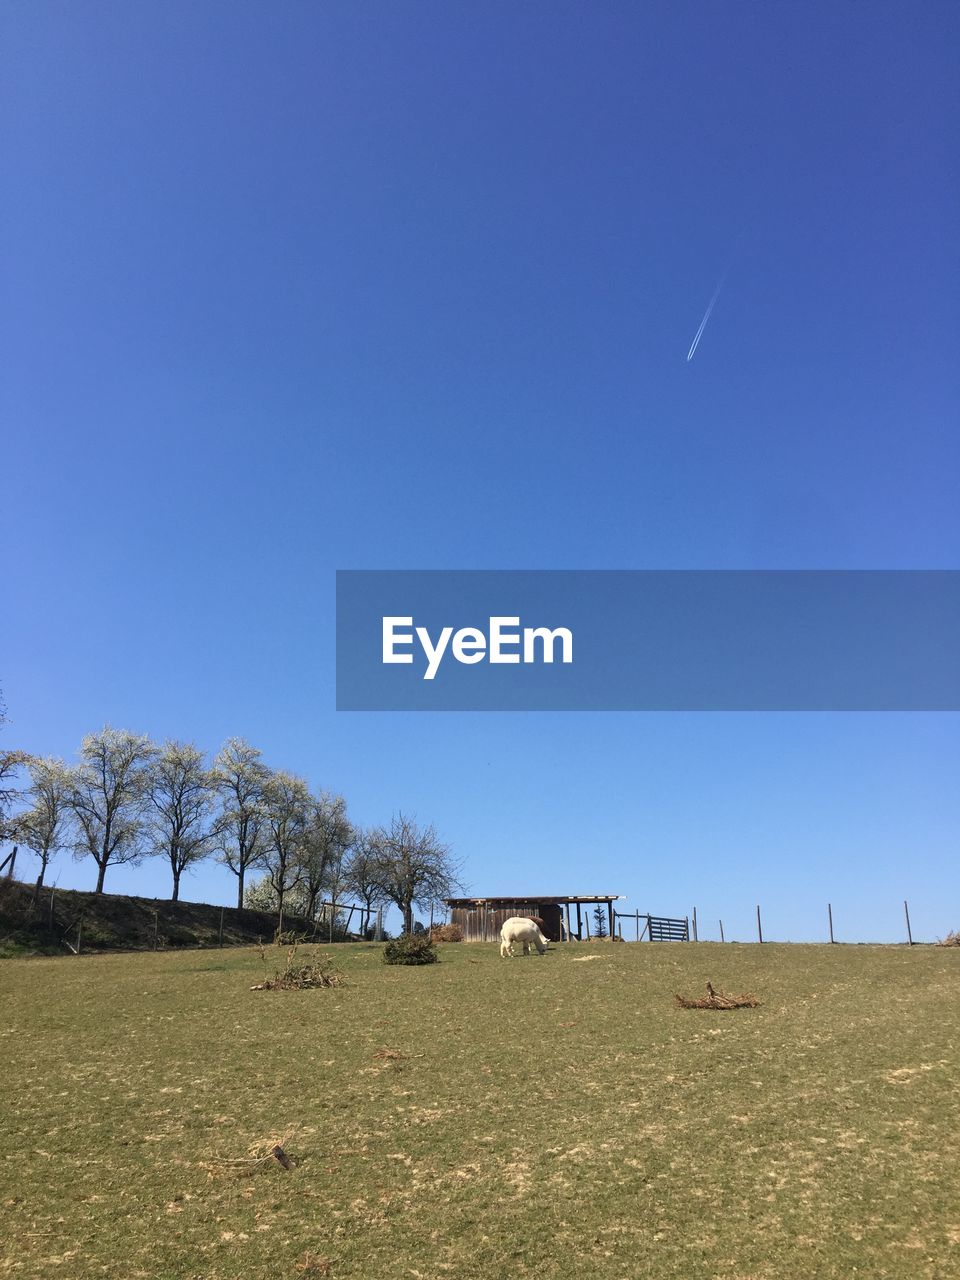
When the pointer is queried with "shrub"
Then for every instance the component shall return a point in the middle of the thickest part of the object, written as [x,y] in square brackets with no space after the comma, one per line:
[446,933]
[410,949]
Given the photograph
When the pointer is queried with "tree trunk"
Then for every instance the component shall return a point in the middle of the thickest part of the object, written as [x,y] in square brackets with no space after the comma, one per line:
[39,884]
[175,896]
[103,872]
[240,889]
[408,917]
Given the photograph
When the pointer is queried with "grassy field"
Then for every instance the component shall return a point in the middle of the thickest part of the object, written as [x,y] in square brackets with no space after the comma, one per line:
[550,1116]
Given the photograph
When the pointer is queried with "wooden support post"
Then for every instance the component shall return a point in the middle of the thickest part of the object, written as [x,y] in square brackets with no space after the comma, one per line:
[695,936]
[830,918]
[637,913]
[687,919]
[649,928]
[906,912]
[52,892]
[586,920]
[613,921]
[722,938]
[431,917]
[379,924]
[79,934]
[579,924]
[220,935]
[156,930]
[568,921]
[759,926]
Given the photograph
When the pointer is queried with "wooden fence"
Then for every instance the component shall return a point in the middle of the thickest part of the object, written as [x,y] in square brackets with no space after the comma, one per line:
[655,928]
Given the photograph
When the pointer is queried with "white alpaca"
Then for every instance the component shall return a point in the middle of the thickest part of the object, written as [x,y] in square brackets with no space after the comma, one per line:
[520,929]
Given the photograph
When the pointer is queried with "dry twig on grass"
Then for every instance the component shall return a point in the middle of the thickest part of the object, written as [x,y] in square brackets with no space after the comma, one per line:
[312,1264]
[719,1000]
[259,1156]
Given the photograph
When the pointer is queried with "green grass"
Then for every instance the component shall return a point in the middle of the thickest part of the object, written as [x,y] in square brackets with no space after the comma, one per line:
[549,1117]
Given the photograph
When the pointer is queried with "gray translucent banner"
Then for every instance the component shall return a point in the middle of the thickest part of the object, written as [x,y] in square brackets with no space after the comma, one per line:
[572,640]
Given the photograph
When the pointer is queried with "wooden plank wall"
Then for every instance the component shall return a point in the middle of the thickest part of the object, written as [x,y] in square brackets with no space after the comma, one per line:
[480,925]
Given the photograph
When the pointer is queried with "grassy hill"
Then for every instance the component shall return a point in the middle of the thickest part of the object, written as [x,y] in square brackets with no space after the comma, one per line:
[112,922]
[549,1117]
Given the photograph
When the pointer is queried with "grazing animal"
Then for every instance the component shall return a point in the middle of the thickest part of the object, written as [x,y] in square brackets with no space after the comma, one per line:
[523,930]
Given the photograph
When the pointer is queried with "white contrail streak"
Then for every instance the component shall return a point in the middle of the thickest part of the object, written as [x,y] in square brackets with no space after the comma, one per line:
[706,316]
[716,294]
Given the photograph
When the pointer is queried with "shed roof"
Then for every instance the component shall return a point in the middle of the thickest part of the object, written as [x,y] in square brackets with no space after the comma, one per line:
[561,898]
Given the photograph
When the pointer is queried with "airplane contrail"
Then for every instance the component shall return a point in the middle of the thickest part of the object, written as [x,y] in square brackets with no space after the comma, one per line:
[713,301]
[706,316]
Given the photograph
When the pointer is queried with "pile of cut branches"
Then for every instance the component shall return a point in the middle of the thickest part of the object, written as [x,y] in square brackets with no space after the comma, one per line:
[719,1000]
[951,940]
[298,974]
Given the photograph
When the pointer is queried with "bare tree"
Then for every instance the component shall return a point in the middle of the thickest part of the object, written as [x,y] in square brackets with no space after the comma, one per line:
[42,826]
[287,811]
[327,836]
[239,776]
[179,790]
[107,795]
[360,875]
[413,866]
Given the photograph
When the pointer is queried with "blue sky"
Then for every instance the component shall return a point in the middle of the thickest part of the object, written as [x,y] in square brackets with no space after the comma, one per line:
[294,288]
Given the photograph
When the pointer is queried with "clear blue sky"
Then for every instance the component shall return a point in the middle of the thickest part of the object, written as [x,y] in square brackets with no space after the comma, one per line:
[293,287]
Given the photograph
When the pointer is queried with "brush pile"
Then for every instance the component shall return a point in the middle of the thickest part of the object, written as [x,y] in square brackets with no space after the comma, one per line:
[951,940]
[719,1000]
[446,933]
[299,974]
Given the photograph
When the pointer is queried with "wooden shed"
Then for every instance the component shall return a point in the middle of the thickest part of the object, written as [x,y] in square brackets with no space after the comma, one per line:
[562,914]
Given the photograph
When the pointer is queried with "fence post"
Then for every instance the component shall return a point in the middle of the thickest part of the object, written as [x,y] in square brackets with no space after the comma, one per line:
[830,918]
[379,924]
[722,938]
[695,935]
[156,930]
[649,927]
[906,912]
[52,892]
[220,937]
[759,926]
[79,933]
